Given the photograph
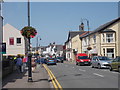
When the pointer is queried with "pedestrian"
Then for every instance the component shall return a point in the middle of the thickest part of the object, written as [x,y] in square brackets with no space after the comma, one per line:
[19,63]
[24,60]
[33,64]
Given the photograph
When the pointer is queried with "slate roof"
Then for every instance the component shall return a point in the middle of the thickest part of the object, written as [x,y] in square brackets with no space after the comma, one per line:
[108,30]
[103,27]
[59,47]
[74,33]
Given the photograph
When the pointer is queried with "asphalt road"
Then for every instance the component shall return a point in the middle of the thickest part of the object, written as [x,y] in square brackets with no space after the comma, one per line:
[72,76]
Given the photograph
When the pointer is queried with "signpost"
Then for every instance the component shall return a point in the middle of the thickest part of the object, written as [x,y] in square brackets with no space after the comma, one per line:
[2,48]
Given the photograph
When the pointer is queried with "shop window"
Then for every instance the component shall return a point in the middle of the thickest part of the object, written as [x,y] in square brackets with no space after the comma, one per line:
[110,52]
[104,52]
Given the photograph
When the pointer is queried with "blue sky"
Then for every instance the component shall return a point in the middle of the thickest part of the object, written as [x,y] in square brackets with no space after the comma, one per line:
[53,20]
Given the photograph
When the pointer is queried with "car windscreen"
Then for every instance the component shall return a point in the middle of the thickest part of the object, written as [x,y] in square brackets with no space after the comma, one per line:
[50,58]
[83,57]
[42,59]
[59,57]
[104,58]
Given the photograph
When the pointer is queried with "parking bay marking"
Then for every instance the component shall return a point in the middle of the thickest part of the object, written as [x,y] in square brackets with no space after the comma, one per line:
[98,74]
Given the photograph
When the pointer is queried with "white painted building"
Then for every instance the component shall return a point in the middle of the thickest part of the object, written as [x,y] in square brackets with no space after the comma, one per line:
[50,50]
[15,42]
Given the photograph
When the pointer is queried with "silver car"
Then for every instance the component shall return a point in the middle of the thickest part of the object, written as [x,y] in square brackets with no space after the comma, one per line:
[100,62]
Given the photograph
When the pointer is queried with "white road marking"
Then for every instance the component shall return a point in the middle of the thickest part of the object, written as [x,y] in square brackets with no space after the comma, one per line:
[82,70]
[98,74]
[73,67]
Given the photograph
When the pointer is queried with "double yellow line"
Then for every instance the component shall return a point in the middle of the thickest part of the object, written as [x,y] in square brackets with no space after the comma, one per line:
[53,78]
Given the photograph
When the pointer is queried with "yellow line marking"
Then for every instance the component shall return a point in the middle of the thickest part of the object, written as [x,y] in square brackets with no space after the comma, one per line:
[55,86]
[53,78]
[56,81]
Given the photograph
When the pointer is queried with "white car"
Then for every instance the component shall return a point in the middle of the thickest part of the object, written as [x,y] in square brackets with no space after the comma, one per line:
[100,62]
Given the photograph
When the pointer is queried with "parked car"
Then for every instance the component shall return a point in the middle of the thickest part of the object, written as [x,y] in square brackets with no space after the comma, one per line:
[59,59]
[115,64]
[51,61]
[100,62]
[82,59]
[41,60]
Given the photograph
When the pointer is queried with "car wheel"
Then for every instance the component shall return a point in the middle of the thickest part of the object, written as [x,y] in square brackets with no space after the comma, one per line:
[110,68]
[79,64]
[99,66]
[92,66]
[76,63]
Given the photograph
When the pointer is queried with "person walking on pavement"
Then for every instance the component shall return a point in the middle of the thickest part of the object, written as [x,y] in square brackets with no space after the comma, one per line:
[24,60]
[33,64]
[19,63]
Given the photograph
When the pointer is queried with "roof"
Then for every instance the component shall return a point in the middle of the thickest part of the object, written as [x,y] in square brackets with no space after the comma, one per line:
[108,30]
[84,33]
[74,33]
[102,27]
[59,47]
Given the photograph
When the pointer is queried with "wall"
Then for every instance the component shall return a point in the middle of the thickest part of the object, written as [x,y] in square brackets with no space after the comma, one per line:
[76,44]
[10,31]
[100,45]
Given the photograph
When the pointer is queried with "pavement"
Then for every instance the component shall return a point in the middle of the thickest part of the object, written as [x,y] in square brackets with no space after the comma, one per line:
[20,80]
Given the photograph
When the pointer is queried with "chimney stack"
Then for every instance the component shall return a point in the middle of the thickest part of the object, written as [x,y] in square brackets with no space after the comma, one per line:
[81,27]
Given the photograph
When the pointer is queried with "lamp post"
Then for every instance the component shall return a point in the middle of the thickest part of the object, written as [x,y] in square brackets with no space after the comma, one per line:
[29,53]
[89,48]
[37,43]
[88,28]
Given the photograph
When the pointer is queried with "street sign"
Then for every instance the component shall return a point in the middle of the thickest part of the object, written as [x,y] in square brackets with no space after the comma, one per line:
[3,48]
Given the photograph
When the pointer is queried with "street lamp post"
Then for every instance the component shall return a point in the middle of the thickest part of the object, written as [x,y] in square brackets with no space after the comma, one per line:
[37,43]
[29,53]
[88,29]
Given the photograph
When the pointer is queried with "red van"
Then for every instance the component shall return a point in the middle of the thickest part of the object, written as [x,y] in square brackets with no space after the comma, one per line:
[82,59]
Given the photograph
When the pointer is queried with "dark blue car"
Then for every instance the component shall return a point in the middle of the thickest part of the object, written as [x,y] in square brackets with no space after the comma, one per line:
[51,61]
[41,60]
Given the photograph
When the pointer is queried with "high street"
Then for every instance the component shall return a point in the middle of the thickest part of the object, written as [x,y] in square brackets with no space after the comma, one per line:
[72,76]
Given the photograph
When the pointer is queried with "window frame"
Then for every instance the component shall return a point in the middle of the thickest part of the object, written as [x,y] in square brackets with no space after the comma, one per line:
[17,40]
[109,38]
[10,41]
[94,39]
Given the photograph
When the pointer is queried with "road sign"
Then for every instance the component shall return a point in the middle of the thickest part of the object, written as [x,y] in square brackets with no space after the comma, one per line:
[3,48]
